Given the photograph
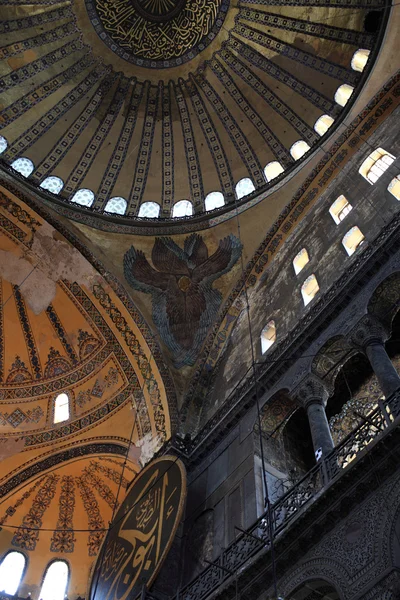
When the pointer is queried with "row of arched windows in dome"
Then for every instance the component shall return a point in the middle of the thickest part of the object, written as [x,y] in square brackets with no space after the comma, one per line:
[372,168]
[55,581]
[184,208]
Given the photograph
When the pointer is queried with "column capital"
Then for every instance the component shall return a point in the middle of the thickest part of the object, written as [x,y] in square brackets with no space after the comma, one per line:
[368,332]
[311,390]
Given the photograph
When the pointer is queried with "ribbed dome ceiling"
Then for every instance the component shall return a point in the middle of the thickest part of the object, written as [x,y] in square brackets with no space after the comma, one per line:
[142,101]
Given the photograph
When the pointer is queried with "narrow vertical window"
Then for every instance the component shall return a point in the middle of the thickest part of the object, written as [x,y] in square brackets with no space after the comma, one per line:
[55,581]
[309,289]
[340,209]
[11,571]
[268,336]
[394,187]
[352,240]
[300,261]
[61,408]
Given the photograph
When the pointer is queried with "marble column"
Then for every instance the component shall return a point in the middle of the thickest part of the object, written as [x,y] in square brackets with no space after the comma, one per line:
[386,374]
[313,395]
[319,426]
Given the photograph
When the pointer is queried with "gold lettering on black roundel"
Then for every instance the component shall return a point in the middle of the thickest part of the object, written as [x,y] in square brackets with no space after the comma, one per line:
[157,33]
[141,533]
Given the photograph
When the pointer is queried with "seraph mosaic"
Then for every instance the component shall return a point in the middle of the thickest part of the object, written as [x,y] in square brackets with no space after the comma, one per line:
[184,302]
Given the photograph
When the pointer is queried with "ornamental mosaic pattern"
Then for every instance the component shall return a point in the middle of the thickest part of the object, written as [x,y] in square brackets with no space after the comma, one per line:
[157,33]
[96,522]
[26,536]
[63,540]
[17,417]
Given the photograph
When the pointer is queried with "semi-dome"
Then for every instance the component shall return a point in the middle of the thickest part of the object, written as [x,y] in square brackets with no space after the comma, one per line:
[153,103]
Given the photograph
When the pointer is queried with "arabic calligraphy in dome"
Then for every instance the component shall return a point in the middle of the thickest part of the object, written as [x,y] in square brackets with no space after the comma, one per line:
[157,33]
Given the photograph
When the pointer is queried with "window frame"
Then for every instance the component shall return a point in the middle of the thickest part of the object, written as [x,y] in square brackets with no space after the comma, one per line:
[360,243]
[26,557]
[182,216]
[51,562]
[304,266]
[370,161]
[336,216]
[303,294]
[54,423]
[271,324]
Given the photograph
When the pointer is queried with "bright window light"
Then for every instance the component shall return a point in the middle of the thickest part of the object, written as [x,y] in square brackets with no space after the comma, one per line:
[359,60]
[244,187]
[268,336]
[214,200]
[83,197]
[394,187]
[352,240]
[53,184]
[309,289]
[3,144]
[11,570]
[375,165]
[24,166]
[151,210]
[340,209]
[272,170]
[183,208]
[116,205]
[300,261]
[61,408]
[322,124]
[343,94]
[298,149]
[55,582]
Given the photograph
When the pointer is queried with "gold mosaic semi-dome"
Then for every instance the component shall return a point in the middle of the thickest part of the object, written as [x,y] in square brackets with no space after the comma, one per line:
[139,111]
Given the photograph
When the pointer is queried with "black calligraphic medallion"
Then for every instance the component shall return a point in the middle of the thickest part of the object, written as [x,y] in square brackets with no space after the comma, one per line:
[141,533]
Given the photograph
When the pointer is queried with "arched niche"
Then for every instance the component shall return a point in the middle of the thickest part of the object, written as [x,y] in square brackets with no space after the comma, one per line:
[356,393]
[315,588]
[383,304]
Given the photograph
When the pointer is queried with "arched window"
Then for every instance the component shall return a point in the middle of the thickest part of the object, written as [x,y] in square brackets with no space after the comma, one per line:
[151,210]
[183,208]
[61,408]
[268,336]
[299,149]
[11,571]
[23,165]
[352,240]
[300,261]
[55,581]
[343,94]
[84,197]
[272,170]
[359,60]
[340,209]
[214,200]
[3,144]
[116,205]
[309,289]
[244,187]
[375,165]
[53,184]
[394,187]
[322,124]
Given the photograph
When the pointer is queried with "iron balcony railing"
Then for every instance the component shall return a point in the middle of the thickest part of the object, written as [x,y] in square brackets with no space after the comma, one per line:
[285,509]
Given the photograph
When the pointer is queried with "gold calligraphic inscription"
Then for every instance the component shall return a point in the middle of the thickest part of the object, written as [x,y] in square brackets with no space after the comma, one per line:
[141,533]
[157,30]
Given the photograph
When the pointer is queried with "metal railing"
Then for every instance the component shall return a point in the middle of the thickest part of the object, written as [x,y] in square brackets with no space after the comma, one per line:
[287,507]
